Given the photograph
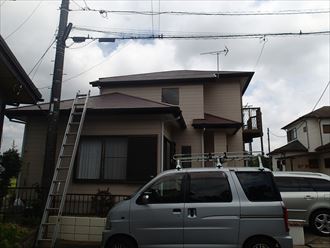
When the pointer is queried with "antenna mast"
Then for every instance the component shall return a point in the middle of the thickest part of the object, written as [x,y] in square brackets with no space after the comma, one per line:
[225,51]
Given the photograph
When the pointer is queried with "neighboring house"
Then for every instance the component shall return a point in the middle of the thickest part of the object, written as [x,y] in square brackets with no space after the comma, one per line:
[308,147]
[15,85]
[136,124]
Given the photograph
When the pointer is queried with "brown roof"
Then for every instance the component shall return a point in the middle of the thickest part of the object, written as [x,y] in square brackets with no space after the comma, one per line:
[178,76]
[323,148]
[15,83]
[321,113]
[294,146]
[212,121]
[113,102]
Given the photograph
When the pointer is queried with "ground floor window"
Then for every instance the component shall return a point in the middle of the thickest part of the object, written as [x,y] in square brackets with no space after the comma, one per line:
[117,158]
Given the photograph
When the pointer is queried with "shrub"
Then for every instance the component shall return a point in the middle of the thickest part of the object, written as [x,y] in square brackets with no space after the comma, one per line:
[11,235]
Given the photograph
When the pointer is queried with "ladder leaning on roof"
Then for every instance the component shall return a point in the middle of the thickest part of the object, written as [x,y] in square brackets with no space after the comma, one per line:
[48,231]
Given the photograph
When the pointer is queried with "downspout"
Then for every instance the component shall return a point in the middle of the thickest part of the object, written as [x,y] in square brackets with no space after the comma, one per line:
[162,147]
[307,134]
[202,145]
[320,132]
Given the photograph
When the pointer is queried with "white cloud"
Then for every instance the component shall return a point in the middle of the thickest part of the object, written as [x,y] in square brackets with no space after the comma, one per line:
[291,74]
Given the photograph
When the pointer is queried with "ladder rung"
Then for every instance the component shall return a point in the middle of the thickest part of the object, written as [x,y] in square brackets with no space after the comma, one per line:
[55,194]
[74,123]
[58,181]
[66,156]
[79,104]
[45,239]
[76,113]
[78,95]
[71,144]
[71,133]
[62,168]
[48,224]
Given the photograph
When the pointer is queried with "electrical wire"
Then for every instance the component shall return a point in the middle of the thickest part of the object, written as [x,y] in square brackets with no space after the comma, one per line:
[228,13]
[134,36]
[278,136]
[96,65]
[261,51]
[26,19]
[42,56]
[321,95]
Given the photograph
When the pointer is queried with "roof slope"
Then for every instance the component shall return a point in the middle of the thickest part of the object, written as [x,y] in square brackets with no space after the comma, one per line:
[16,84]
[294,146]
[212,121]
[172,77]
[112,102]
[323,148]
[321,113]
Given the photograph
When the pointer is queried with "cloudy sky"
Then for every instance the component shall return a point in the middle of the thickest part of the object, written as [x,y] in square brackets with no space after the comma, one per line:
[290,72]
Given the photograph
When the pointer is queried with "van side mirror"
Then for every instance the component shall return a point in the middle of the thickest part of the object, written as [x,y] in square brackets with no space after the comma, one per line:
[145,198]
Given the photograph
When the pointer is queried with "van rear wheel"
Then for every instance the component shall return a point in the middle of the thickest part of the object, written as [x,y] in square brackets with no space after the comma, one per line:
[260,242]
[121,242]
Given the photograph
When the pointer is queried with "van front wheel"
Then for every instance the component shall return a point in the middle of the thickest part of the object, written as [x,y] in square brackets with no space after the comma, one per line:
[260,242]
[121,242]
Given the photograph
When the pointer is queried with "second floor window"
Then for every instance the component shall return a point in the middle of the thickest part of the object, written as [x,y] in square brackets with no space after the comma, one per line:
[326,128]
[292,134]
[170,95]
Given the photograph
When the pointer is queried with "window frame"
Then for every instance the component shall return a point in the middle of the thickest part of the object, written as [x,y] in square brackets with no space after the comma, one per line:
[163,100]
[292,134]
[101,179]
[326,128]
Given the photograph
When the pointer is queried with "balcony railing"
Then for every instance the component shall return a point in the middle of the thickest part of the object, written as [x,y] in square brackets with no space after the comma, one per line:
[252,123]
[26,202]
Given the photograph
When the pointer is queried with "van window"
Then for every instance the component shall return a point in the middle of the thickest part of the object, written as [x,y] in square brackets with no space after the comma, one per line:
[292,184]
[319,184]
[259,186]
[167,189]
[209,187]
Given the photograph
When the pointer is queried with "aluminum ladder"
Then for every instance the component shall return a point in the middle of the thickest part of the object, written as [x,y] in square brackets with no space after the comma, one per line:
[48,230]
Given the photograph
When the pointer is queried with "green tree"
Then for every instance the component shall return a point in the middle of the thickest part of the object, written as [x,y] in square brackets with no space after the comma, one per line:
[12,163]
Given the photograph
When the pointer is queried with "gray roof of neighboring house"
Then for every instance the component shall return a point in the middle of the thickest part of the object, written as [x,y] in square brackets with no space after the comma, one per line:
[16,84]
[178,76]
[294,146]
[321,113]
[111,103]
[323,148]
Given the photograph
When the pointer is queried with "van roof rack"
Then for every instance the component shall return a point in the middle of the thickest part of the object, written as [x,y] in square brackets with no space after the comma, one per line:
[218,158]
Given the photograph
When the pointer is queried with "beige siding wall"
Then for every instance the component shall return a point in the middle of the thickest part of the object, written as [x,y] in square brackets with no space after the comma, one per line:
[314,134]
[33,151]
[220,142]
[224,99]
[302,135]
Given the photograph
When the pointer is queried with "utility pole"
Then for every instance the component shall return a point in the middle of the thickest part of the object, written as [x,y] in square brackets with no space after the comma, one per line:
[268,140]
[54,104]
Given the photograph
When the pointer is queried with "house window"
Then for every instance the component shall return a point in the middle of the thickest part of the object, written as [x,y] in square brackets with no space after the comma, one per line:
[292,134]
[186,152]
[327,163]
[170,95]
[116,158]
[313,163]
[326,128]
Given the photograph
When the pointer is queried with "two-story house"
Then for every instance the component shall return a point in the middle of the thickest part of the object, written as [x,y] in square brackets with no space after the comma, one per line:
[136,124]
[308,147]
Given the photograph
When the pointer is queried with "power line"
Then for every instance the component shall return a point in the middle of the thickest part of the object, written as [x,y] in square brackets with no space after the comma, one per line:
[134,36]
[228,13]
[261,51]
[22,24]
[278,136]
[321,95]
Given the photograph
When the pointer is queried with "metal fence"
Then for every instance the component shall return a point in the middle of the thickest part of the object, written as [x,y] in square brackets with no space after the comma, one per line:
[25,204]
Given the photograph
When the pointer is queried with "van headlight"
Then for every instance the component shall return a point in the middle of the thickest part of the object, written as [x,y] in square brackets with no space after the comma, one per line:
[108,224]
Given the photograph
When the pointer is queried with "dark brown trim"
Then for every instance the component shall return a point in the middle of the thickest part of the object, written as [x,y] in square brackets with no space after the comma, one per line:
[209,125]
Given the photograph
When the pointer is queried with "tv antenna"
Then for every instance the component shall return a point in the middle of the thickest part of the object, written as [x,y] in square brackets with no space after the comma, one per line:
[225,51]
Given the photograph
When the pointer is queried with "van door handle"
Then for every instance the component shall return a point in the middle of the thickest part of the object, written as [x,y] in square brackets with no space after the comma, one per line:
[176,211]
[192,212]
[308,197]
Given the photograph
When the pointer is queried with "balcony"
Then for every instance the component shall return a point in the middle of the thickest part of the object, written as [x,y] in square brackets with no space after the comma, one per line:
[252,124]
